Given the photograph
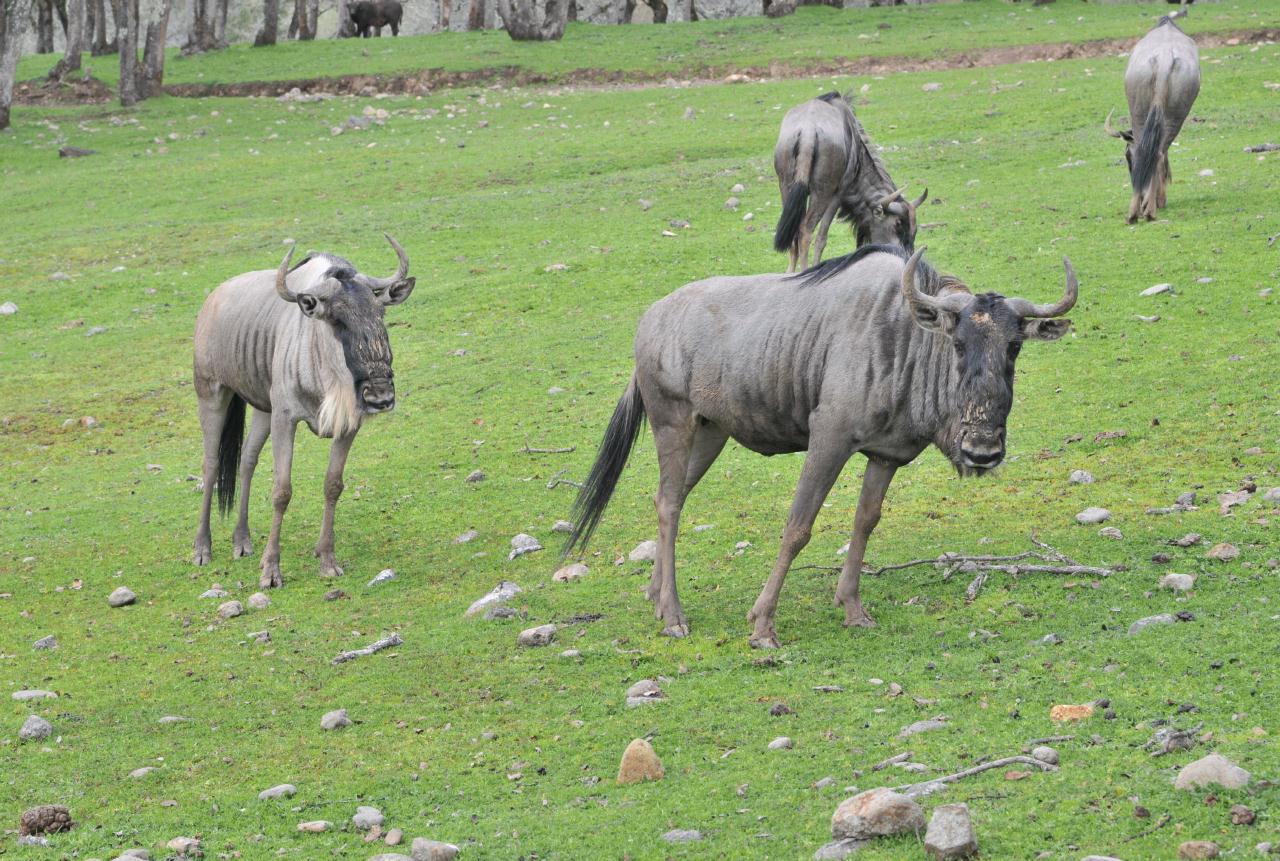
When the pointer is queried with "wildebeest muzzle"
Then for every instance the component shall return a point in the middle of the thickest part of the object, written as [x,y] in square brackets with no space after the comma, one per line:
[378,395]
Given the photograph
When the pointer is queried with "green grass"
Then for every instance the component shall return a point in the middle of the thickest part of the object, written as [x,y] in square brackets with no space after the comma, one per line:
[812,35]
[481,225]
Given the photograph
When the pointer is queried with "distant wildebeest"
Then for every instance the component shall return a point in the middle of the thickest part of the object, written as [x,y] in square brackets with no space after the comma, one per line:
[370,16]
[1161,84]
[826,168]
[872,353]
[298,345]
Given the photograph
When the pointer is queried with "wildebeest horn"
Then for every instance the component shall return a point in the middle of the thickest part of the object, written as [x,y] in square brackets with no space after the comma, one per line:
[1106,124]
[953,302]
[891,196]
[281,287]
[915,204]
[1023,308]
[378,285]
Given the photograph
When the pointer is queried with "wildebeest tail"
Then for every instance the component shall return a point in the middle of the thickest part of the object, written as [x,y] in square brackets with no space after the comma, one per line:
[793,210]
[229,454]
[615,448]
[1146,154]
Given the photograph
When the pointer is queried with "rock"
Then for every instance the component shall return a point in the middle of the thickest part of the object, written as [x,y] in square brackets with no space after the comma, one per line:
[45,819]
[1241,815]
[1157,289]
[738,188]
[500,594]
[645,551]
[1111,532]
[334,594]
[230,610]
[367,818]
[121,597]
[823,783]
[382,577]
[543,635]
[1186,499]
[336,719]
[1272,495]
[433,850]
[45,643]
[259,601]
[639,763]
[682,835]
[732,203]
[1141,624]
[950,833]
[215,591]
[562,526]
[1098,858]
[59,276]
[1051,640]
[1177,582]
[8,309]
[877,812]
[1210,770]
[919,727]
[1223,552]
[260,637]
[167,719]
[1064,713]
[1044,753]
[781,743]
[390,856]
[467,537]
[284,790]
[710,10]
[315,826]
[645,689]
[571,653]
[569,573]
[475,477]
[522,544]
[186,847]
[95,330]
[1093,515]
[394,837]
[1193,849]
[1189,540]
[139,853]
[27,696]
[35,728]
[931,87]
[838,849]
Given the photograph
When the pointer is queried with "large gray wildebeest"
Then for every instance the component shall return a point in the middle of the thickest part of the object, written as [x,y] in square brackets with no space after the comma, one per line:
[305,344]
[1161,84]
[826,168]
[872,353]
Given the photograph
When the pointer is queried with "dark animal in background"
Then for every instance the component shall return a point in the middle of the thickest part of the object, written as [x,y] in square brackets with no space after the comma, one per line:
[298,345]
[370,16]
[1161,84]
[873,353]
[826,168]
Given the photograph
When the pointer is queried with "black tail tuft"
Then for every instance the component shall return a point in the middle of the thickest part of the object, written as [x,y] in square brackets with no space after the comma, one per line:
[229,454]
[1146,151]
[615,448]
[793,210]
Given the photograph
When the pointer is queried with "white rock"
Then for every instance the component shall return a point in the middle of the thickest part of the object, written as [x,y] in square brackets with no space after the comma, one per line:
[185,846]
[8,309]
[1213,769]
[1093,515]
[336,719]
[35,728]
[230,609]
[879,812]
[950,833]
[27,696]
[1149,621]
[1081,476]
[215,592]
[1111,532]
[542,635]
[121,597]
[569,573]
[467,537]
[142,772]
[562,526]
[571,653]
[315,826]
[284,790]
[645,551]
[367,818]
[1044,753]
[167,719]
[781,743]
[682,835]
[500,594]
[522,544]
[45,643]
[919,727]
[1157,289]
[433,850]
[1177,582]
[259,601]
[383,576]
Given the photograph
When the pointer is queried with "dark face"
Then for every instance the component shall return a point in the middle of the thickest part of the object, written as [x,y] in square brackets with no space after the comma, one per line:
[894,224]
[987,338]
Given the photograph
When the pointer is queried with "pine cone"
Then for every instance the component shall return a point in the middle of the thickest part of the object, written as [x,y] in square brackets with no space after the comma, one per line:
[45,819]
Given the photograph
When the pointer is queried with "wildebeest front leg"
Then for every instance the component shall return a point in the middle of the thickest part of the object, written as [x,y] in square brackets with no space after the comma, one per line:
[332,490]
[282,432]
[874,484]
[213,415]
[259,430]
[821,468]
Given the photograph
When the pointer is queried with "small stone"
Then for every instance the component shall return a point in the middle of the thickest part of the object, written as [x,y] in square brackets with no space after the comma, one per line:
[1141,624]
[562,526]
[1186,499]
[59,276]
[382,577]
[682,835]
[557,390]
[931,87]
[1213,769]
[475,477]
[781,743]
[45,643]
[522,544]
[1093,515]
[315,826]
[919,727]
[837,850]
[467,537]
[283,790]
[877,812]
[121,597]
[824,783]
[433,850]
[1111,532]
[1272,495]
[780,709]
[1188,540]
[142,772]
[186,847]
[1044,753]
[215,592]
[35,728]
[1194,849]
[732,203]
[367,818]
[645,690]
[542,635]
[645,551]
[500,594]
[1157,289]
[259,601]
[8,309]
[230,610]
[334,594]
[738,188]
[639,763]
[394,837]
[390,856]
[570,573]
[571,653]
[28,696]
[336,719]
[1241,815]
[1177,582]
[1064,713]
[1223,552]
[950,833]
[168,719]
[1051,640]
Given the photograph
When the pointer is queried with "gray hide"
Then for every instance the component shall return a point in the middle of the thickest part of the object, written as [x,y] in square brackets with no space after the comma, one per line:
[306,345]
[1161,84]
[826,168]
[863,354]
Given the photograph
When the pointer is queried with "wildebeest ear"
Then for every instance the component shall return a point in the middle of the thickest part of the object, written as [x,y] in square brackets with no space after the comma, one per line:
[938,320]
[397,292]
[313,306]
[1045,330]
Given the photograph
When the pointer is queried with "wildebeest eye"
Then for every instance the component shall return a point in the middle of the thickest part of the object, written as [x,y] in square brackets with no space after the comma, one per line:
[1013,349]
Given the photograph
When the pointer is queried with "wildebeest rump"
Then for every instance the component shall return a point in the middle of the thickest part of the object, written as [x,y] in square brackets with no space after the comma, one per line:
[826,168]
[870,353]
[298,345]
[1161,84]
[370,16]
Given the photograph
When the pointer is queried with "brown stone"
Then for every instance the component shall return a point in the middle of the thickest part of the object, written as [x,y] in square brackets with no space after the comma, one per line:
[45,819]
[1062,713]
[639,763]
[1195,849]
[1241,815]
[877,812]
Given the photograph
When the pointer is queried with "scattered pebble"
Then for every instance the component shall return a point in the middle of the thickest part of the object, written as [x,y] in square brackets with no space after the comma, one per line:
[682,835]
[571,653]
[215,591]
[639,763]
[1141,624]
[1051,640]
[781,743]
[542,635]
[931,87]
[336,719]
[522,544]
[142,772]
[45,643]
[284,790]
[382,577]
[1081,476]
[1177,582]
[466,537]
[230,610]
[121,597]
[877,812]
[315,826]
[950,833]
[645,551]
[500,594]
[367,818]
[475,477]
[1157,289]
[1210,770]
[919,727]
[570,573]
[1093,515]
[35,728]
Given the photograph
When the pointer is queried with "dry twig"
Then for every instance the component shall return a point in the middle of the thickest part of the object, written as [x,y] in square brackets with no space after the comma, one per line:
[530,450]
[978,769]
[893,760]
[1160,823]
[556,481]
[384,643]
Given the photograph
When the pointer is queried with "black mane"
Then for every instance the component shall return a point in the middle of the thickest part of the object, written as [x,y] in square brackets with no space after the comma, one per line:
[928,280]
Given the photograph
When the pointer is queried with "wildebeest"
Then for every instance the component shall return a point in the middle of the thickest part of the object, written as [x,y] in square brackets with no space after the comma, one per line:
[865,353]
[826,168]
[1161,84]
[298,345]
[370,16]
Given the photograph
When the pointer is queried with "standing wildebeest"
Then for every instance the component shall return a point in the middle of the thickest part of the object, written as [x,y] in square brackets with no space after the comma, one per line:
[1161,84]
[370,16]
[301,345]
[825,167]
[883,359]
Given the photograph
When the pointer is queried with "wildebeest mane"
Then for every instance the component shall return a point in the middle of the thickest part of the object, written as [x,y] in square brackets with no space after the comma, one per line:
[928,280]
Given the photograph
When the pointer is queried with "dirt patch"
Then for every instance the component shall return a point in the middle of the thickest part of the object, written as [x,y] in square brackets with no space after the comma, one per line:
[80,91]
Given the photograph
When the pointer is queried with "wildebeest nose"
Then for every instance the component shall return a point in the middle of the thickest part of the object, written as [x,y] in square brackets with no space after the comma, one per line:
[983,457]
[379,397]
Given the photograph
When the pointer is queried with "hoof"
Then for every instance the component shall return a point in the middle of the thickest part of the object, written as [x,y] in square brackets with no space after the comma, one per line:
[678,632]
[241,547]
[201,556]
[270,578]
[331,569]
[862,621]
[769,641]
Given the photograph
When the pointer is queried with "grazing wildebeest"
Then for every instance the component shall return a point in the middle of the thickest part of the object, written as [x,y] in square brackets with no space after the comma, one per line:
[825,168]
[865,353]
[1161,84]
[370,16]
[298,345]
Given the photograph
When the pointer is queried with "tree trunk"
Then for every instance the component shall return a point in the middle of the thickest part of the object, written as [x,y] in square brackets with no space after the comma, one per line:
[13,23]
[779,8]
[446,7]
[102,30]
[75,41]
[346,29]
[220,23]
[521,18]
[475,19]
[271,23]
[293,22]
[127,38]
[151,77]
[204,26]
[44,26]
[313,19]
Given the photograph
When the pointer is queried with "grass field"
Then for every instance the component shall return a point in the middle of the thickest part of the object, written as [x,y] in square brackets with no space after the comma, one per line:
[487,189]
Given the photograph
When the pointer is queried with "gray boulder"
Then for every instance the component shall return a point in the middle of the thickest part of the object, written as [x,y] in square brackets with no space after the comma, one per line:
[950,833]
[879,812]
[433,850]
[35,728]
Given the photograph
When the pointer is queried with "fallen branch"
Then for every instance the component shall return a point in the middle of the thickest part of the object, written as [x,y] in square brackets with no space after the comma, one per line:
[1048,739]
[384,643]
[1160,823]
[529,450]
[893,760]
[1272,240]
[1266,147]
[978,769]
[556,481]
[971,594]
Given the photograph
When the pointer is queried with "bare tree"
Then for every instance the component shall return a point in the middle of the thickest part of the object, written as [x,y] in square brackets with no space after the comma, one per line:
[475,19]
[527,21]
[208,26]
[44,26]
[127,39]
[446,7]
[75,41]
[13,25]
[102,41]
[151,77]
[346,27]
[270,23]
[220,23]
[303,25]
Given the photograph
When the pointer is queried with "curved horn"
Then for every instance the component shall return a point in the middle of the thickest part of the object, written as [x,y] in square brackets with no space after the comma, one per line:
[378,285]
[1023,308]
[891,196]
[953,302]
[281,287]
[924,195]
[1106,125]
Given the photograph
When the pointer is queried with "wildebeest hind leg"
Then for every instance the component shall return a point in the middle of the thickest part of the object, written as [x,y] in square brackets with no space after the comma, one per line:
[282,432]
[213,415]
[674,436]
[875,482]
[259,430]
[332,490]
[820,241]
